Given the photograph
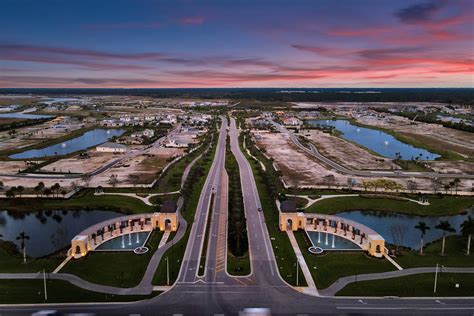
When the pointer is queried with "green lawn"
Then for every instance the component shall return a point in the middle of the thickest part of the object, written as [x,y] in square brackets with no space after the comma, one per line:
[334,265]
[32,292]
[120,268]
[455,255]
[414,285]
[84,200]
[11,261]
[238,265]
[446,205]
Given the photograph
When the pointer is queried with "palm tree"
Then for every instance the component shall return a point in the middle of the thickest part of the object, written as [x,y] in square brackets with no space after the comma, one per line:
[467,229]
[422,227]
[23,236]
[445,226]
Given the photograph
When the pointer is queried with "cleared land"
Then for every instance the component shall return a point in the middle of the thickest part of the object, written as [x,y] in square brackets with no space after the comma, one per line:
[347,153]
[81,165]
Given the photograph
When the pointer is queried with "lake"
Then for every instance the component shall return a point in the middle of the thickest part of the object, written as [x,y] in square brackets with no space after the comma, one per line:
[386,222]
[23,115]
[49,231]
[88,139]
[380,142]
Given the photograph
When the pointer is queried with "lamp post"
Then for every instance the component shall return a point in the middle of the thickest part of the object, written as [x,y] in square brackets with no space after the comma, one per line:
[44,283]
[167,272]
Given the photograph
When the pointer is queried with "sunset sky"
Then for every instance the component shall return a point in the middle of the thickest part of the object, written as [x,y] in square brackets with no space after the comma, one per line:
[159,44]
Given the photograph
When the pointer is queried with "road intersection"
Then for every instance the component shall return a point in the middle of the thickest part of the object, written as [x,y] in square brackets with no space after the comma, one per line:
[218,293]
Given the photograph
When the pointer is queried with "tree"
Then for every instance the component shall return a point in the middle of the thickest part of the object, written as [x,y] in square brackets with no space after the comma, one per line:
[1,186]
[422,227]
[113,180]
[467,229]
[47,192]
[10,193]
[329,180]
[55,188]
[445,226]
[350,183]
[412,186]
[134,179]
[20,189]
[456,182]
[23,237]
[435,184]
[86,178]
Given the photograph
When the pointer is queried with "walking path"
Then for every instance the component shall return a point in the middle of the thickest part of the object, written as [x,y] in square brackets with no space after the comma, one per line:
[342,282]
[144,199]
[302,263]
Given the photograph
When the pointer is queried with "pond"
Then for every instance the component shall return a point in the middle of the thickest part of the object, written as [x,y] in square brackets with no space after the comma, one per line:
[400,227]
[327,241]
[125,242]
[49,231]
[23,115]
[378,141]
[88,139]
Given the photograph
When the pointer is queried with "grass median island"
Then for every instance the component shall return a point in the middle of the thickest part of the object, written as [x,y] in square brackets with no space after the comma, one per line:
[32,292]
[266,184]
[445,205]
[455,255]
[414,285]
[334,265]
[84,200]
[11,261]
[115,268]
[202,262]
[238,260]
[191,193]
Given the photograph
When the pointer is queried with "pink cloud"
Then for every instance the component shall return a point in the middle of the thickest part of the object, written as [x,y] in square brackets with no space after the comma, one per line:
[192,20]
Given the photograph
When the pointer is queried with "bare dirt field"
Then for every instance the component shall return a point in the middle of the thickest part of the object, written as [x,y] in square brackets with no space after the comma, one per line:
[302,170]
[452,166]
[11,167]
[347,153]
[81,165]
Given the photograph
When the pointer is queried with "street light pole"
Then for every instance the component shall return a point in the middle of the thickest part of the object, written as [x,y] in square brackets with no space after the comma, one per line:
[297,271]
[436,279]
[167,272]
[45,289]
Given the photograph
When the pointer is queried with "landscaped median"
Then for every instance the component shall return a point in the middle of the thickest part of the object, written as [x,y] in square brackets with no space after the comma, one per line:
[238,261]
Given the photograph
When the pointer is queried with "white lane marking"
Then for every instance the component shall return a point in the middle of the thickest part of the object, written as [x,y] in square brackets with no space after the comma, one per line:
[362,302]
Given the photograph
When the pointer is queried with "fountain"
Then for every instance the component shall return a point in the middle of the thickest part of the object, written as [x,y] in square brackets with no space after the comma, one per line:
[63,145]
[358,130]
[385,143]
[129,238]
[333,237]
[327,238]
[319,237]
[123,241]
[138,240]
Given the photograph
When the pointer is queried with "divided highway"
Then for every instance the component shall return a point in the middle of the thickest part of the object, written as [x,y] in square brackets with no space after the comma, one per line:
[218,293]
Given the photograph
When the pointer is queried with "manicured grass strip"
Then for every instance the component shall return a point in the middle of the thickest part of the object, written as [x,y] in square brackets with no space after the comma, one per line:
[238,261]
[238,265]
[284,254]
[120,269]
[32,292]
[414,285]
[11,261]
[446,205]
[331,266]
[202,263]
[84,200]
[455,255]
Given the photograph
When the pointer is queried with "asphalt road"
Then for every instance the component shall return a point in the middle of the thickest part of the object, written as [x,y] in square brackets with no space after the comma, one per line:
[193,295]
